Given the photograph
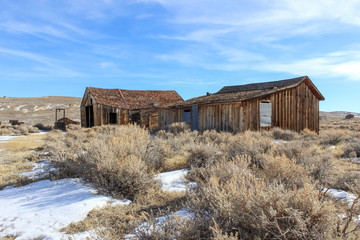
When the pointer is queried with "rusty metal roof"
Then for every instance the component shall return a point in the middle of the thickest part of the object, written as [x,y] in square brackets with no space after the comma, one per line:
[248,91]
[134,99]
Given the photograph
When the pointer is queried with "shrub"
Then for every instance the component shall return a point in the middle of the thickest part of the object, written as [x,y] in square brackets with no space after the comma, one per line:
[333,136]
[164,148]
[204,155]
[253,208]
[112,160]
[178,127]
[251,144]
[283,170]
[43,127]
[171,226]
[285,135]
[351,148]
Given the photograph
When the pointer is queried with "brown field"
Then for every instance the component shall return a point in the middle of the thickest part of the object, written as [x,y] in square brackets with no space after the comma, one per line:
[38,109]
[252,185]
[248,185]
[17,156]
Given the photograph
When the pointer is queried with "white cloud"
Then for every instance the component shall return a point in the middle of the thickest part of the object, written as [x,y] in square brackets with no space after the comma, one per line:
[344,65]
[271,19]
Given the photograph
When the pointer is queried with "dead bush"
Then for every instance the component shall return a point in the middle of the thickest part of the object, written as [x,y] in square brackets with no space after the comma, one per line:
[165,148]
[110,157]
[349,181]
[351,148]
[285,135]
[171,226]
[333,136]
[286,171]
[109,222]
[178,127]
[5,131]
[253,208]
[204,155]
[251,144]
[214,137]
[318,162]
[43,127]
[17,130]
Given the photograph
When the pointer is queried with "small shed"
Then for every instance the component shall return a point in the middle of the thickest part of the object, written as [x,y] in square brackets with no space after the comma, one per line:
[291,104]
[119,106]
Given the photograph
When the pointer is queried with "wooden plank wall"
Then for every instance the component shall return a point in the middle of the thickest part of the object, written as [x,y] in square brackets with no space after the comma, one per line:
[295,109]
[168,116]
[221,117]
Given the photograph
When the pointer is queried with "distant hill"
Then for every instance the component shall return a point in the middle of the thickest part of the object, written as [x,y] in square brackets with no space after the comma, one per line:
[341,114]
[38,109]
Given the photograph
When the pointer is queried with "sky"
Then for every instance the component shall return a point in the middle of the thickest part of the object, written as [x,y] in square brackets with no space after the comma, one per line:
[59,47]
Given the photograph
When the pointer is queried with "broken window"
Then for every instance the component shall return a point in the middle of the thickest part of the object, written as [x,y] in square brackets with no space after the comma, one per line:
[265,114]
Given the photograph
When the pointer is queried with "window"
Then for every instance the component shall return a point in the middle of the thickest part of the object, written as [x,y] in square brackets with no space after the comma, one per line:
[186,116]
[113,118]
[265,114]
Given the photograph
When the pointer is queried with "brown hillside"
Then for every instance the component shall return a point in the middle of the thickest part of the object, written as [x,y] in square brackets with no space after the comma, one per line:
[38,109]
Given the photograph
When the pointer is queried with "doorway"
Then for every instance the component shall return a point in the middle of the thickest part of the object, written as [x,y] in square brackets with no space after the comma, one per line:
[89,116]
[113,118]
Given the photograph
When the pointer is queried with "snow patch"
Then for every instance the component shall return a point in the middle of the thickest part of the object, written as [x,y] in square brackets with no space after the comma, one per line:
[19,107]
[341,195]
[354,160]
[7,138]
[157,224]
[173,181]
[40,170]
[43,208]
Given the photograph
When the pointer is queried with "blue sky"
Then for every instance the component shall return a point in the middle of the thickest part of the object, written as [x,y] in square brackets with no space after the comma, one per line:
[57,48]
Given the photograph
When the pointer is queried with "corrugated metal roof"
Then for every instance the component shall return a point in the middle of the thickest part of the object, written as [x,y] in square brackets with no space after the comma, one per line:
[134,99]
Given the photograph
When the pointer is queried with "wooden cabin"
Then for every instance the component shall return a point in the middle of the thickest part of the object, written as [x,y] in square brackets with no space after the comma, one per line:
[291,104]
[118,106]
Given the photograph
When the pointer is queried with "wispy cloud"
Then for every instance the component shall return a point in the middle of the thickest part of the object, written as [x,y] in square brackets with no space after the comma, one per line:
[46,65]
[342,64]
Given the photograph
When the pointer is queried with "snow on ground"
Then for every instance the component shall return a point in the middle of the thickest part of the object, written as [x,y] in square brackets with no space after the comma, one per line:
[172,181]
[7,138]
[40,170]
[341,195]
[43,208]
[354,160]
[19,107]
[145,227]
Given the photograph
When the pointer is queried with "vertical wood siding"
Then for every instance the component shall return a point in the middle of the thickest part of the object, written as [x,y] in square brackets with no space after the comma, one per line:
[294,109]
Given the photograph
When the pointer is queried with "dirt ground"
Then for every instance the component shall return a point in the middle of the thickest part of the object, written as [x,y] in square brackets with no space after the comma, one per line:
[38,109]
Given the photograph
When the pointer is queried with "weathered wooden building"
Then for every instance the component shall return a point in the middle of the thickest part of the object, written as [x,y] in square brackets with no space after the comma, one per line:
[118,106]
[288,104]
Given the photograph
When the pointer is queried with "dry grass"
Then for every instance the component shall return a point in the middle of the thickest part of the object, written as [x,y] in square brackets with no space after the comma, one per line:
[248,185]
[17,156]
[17,130]
[115,221]
[38,109]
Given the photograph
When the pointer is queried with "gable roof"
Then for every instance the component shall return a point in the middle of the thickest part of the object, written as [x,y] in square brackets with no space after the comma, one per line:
[262,86]
[134,99]
[248,91]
